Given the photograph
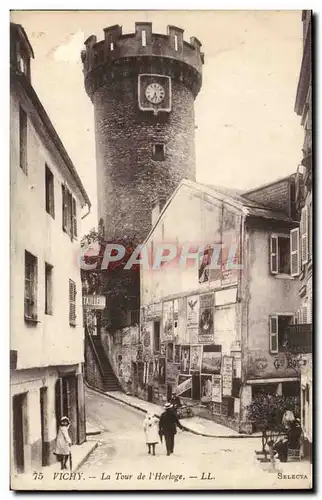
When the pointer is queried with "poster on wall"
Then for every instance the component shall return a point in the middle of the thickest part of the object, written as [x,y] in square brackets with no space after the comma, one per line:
[185,359]
[168,320]
[206,388]
[227,375]
[206,319]
[231,246]
[192,311]
[177,353]
[163,349]
[172,374]
[211,359]
[195,358]
[216,389]
[162,371]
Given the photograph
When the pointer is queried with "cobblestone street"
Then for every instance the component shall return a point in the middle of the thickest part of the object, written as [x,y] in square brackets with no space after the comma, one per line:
[197,462]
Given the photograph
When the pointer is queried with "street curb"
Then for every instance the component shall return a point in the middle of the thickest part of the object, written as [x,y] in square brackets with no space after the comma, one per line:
[85,457]
[229,436]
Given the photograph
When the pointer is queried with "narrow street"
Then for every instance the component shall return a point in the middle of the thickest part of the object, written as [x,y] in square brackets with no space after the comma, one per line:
[197,462]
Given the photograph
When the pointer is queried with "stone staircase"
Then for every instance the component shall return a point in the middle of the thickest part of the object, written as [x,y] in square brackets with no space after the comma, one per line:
[110,381]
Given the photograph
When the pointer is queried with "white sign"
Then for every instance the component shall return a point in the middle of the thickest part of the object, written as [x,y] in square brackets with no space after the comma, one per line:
[216,389]
[184,386]
[227,375]
[94,301]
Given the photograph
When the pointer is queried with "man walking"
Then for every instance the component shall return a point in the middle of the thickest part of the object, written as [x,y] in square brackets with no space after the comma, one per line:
[167,427]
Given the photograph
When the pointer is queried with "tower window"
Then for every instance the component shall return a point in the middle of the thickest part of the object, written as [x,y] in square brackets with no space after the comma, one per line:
[158,152]
[175,42]
[143,33]
[111,46]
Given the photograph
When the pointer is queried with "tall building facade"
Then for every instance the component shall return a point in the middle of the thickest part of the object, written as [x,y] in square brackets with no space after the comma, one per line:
[143,86]
[47,338]
[303,107]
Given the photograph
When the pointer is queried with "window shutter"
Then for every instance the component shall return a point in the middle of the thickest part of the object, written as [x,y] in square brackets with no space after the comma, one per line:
[304,235]
[273,334]
[74,218]
[310,231]
[64,208]
[274,254]
[304,314]
[294,248]
[72,303]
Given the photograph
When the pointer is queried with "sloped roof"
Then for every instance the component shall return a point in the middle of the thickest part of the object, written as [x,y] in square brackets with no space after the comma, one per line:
[231,196]
[253,208]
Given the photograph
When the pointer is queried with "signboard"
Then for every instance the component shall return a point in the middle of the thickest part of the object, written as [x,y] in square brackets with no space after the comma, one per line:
[211,359]
[94,301]
[206,319]
[216,396]
[173,370]
[184,386]
[227,375]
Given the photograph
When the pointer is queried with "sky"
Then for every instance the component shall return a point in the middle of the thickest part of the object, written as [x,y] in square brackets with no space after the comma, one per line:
[247,131]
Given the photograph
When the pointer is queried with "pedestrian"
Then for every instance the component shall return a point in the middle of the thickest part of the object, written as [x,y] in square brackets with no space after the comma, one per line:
[168,427]
[150,426]
[63,442]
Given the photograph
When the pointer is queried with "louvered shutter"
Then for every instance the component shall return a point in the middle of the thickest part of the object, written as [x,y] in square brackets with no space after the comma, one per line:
[274,254]
[74,219]
[72,303]
[294,249]
[304,314]
[310,231]
[304,236]
[273,334]
[64,208]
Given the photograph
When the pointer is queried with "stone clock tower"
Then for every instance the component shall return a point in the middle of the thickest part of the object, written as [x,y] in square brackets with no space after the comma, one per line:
[143,86]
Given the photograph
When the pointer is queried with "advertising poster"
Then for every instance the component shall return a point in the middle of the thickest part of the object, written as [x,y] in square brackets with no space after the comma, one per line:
[177,349]
[192,311]
[168,320]
[195,358]
[216,389]
[184,386]
[211,359]
[172,374]
[206,388]
[162,371]
[227,375]
[206,318]
[156,368]
[185,359]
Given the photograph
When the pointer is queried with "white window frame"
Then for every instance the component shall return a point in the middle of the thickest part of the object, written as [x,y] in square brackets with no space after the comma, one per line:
[275,237]
[295,252]
[143,38]
[276,316]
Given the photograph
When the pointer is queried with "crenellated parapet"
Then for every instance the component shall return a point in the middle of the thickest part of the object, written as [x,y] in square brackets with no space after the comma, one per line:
[119,56]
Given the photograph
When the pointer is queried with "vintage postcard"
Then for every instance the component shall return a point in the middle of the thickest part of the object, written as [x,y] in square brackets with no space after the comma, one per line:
[161,250]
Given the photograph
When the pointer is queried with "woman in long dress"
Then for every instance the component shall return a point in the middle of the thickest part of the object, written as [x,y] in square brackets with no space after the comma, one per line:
[151,431]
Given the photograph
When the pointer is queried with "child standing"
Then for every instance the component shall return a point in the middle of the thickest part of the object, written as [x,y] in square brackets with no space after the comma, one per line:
[63,442]
[150,426]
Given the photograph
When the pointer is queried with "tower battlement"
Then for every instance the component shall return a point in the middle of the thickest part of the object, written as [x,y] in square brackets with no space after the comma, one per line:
[121,55]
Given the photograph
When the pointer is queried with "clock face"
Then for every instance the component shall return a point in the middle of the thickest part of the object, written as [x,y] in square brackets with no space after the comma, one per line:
[155,93]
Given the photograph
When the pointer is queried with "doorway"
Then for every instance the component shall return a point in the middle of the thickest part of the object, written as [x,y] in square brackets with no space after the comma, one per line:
[18,410]
[43,425]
